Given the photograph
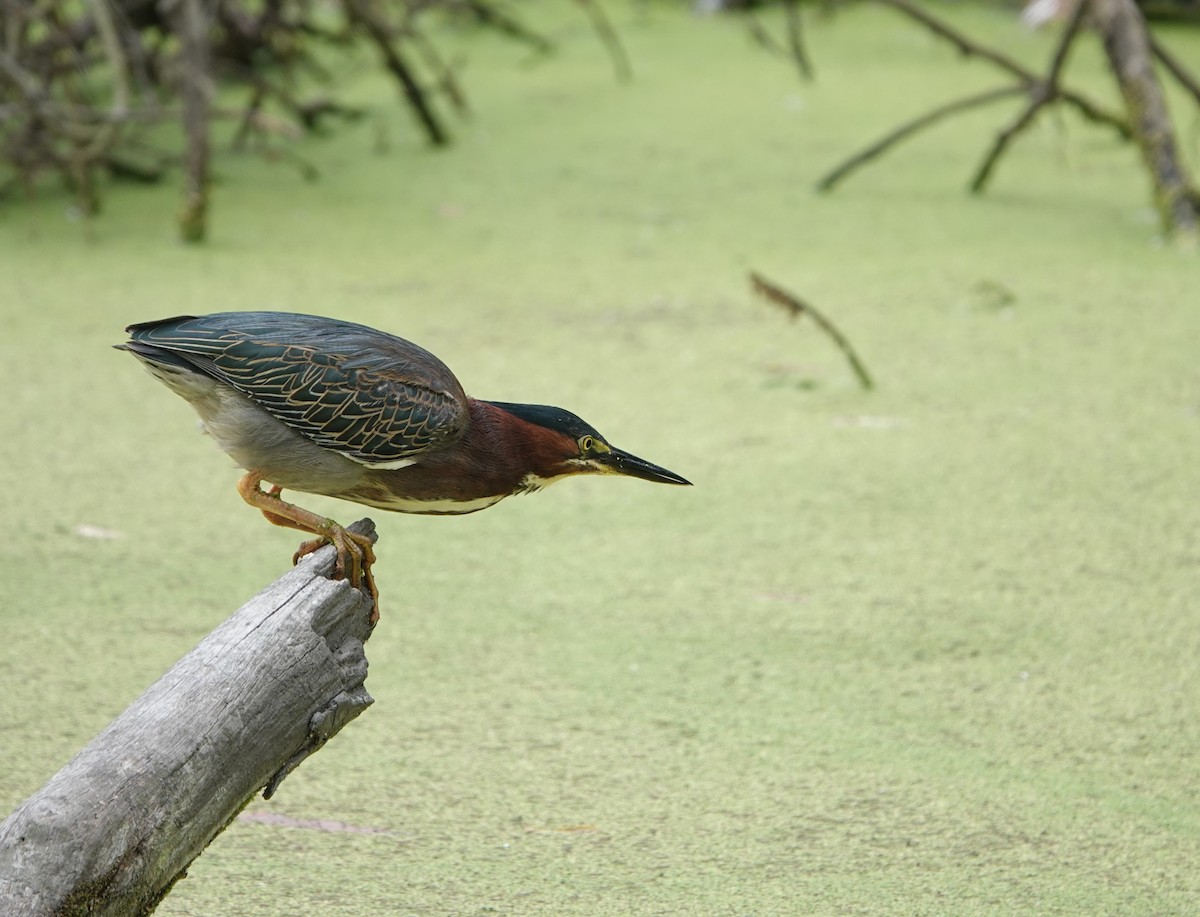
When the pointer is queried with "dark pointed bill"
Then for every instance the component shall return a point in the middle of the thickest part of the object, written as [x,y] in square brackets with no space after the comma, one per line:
[621,462]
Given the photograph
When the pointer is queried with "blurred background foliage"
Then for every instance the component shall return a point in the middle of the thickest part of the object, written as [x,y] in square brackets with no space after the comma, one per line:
[93,91]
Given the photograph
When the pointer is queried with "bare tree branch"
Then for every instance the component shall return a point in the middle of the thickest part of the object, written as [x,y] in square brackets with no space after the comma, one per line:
[1175,68]
[968,47]
[909,128]
[361,13]
[608,35]
[1041,94]
[795,31]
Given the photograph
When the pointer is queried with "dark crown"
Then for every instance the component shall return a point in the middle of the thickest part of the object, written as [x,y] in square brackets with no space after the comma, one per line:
[550,417]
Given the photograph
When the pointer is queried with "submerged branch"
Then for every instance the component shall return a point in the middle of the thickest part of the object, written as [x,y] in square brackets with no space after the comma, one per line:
[797,307]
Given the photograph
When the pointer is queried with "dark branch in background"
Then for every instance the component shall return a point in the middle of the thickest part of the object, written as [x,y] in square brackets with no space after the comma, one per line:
[1176,69]
[966,46]
[445,75]
[608,35]
[909,128]
[83,84]
[1028,78]
[1041,94]
[1028,83]
[1130,50]
[759,33]
[795,32]
[796,307]
[795,49]
[496,18]
[360,12]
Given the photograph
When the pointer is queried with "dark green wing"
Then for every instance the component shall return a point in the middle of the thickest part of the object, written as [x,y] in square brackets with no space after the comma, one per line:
[377,399]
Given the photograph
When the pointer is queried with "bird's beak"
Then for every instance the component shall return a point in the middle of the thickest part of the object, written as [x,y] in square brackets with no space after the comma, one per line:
[618,462]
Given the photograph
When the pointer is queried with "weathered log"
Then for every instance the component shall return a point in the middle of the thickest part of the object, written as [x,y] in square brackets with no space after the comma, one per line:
[112,831]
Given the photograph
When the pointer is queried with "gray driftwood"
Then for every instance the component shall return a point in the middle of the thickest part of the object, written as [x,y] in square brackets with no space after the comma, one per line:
[113,830]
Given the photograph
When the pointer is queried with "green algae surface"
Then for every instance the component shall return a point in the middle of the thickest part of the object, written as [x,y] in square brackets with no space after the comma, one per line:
[926,650]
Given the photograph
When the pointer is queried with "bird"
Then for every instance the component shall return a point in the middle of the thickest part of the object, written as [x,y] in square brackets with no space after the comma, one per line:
[324,406]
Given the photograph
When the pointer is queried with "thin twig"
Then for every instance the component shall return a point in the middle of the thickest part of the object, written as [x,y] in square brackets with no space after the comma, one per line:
[248,118]
[1176,69]
[378,31]
[1059,60]
[796,307]
[1041,94]
[911,127]
[445,75]
[760,34]
[968,47]
[608,35]
[1004,138]
[502,22]
[795,31]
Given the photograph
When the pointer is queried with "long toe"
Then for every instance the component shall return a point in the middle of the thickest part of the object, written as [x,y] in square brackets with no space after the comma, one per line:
[349,549]
[355,557]
[364,554]
[308,548]
[369,576]
[374,619]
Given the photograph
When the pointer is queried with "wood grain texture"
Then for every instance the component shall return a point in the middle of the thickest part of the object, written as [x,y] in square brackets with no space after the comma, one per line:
[113,830]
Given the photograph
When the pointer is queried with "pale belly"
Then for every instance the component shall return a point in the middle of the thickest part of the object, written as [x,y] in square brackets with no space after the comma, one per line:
[426,507]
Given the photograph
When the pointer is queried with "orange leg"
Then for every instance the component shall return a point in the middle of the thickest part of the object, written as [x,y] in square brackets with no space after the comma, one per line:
[357,548]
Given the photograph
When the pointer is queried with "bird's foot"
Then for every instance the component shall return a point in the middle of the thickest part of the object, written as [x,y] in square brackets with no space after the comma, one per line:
[355,553]
[355,557]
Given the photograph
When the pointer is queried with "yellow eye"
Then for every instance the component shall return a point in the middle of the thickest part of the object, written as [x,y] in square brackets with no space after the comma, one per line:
[592,445]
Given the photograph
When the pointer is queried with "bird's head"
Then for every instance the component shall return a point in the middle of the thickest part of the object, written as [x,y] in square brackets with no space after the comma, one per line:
[569,445]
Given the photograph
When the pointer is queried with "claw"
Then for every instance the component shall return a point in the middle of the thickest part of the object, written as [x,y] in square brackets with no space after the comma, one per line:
[357,548]
[309,547]
[361,554]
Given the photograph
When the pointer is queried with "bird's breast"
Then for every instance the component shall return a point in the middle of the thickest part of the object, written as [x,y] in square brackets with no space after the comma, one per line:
[436,506]
[430,486]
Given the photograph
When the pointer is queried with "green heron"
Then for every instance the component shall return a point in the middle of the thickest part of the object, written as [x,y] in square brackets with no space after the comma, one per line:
[330,407]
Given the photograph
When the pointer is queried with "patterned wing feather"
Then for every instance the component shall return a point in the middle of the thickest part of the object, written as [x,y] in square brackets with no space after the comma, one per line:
[377,399]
